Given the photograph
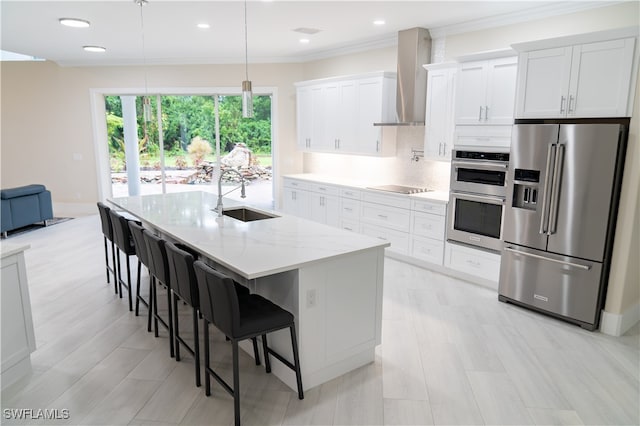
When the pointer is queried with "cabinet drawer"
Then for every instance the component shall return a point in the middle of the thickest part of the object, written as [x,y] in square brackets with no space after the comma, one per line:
[350,225]
[350,209]
[295,183]
[351,193]
[402,202]
[429,207]
[472,261]
[428,225]
[427,249]
[324,189]
[389,217]
[399,240]
[483,136]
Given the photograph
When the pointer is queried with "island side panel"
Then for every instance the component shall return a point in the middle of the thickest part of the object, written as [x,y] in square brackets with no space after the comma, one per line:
[338,309]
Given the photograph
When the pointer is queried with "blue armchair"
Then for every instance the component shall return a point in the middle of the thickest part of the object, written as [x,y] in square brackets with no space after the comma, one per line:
[25,205]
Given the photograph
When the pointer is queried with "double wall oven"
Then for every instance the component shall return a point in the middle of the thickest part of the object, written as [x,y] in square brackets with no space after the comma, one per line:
[477,196]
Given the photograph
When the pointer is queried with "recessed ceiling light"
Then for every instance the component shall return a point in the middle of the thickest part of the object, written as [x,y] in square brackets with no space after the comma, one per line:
[304,30]
[204,26]
[74,22]
[379,22]
[98,49]
[304,40]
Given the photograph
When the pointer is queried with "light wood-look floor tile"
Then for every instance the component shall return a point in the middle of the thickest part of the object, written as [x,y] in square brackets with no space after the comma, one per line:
[452,354]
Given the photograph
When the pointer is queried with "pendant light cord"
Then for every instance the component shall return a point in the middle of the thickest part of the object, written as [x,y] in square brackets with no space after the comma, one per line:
[141,3]
[246,44]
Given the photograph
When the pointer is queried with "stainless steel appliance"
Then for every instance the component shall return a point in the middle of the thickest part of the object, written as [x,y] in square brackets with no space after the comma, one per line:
[476,197]
[563,190]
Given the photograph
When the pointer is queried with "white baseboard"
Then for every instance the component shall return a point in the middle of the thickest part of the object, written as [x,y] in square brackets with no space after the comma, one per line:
[74,209]
[618,324]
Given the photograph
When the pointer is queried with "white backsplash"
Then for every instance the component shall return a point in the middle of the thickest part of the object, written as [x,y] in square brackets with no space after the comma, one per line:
[399,170]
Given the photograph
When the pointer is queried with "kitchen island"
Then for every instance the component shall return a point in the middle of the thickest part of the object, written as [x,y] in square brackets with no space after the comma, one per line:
[329,279]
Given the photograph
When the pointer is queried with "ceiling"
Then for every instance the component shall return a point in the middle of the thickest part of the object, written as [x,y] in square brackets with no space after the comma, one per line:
[171,36]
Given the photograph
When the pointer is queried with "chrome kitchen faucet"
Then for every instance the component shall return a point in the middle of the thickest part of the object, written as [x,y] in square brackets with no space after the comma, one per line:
[220,194]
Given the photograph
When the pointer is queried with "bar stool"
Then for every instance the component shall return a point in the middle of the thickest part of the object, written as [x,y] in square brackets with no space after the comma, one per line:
[107,233]
[124,242]
[185,288]
[159,268]
[240,320]
[141,251]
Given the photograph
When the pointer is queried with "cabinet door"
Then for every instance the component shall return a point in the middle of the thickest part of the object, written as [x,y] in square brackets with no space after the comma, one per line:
[331,107]
[325,209]
[296,202]
[304,114]
[600,79]
[543,83]
[369,112]
[471,92]
[438,123]
[347,117]
[318,111]
[501,90]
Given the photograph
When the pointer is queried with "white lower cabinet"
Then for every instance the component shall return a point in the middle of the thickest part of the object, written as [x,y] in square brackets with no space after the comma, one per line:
[427,249]
[296,198]
[479,263]
[414,226]
[325,204]
[399,240]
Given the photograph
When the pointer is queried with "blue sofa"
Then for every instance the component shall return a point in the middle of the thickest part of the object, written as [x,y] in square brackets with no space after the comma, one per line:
[24,206]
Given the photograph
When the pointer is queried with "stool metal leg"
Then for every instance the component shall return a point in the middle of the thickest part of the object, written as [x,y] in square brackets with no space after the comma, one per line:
[207,377]
[236,383]
[296,361]
[196,345]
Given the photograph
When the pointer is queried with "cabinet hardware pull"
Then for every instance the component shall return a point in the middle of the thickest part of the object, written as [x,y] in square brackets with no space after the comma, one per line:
[486,113]
[480,115]
[377,146]
[383,216]
[347,229]
[440,148]
[571,99]
[444,149]
[561,104]
[348,209]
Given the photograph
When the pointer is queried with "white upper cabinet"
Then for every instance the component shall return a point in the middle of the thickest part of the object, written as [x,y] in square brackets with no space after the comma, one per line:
[578,81]
[439,115]
[485,92]
[345,109]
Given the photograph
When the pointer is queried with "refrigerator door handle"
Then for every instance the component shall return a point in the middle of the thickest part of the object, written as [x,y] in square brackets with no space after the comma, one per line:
[546,192]
[537,256]
[555,189]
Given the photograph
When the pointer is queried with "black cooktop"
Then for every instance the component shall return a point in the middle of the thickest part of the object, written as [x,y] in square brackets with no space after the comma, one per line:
[400,189]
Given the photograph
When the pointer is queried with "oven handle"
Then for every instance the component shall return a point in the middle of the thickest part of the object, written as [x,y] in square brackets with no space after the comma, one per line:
[478,197]
[548,259]
[482,165]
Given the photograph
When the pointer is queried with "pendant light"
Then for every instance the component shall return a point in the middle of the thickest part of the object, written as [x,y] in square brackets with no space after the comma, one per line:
[247,95]
[146,101]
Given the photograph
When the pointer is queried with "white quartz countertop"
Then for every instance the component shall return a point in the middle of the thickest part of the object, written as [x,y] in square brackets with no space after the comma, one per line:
[436,196]
[9,249]
[251,249]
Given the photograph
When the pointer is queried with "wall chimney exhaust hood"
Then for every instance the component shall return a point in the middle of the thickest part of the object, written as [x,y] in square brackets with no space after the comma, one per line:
[414,50]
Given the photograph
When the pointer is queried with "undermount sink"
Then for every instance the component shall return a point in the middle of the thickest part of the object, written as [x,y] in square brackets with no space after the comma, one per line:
[247,215]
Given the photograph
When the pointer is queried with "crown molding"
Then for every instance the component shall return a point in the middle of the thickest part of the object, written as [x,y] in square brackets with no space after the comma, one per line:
[525,15]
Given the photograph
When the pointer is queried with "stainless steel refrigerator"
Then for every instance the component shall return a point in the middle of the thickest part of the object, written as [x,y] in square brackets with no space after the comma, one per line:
[564,185]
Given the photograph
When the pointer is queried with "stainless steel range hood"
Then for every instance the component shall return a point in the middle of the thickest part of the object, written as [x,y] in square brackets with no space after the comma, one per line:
[414,50]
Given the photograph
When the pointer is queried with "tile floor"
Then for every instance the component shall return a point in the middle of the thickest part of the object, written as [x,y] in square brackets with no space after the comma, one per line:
[451,354]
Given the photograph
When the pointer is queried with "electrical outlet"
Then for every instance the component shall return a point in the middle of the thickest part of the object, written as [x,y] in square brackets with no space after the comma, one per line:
[311,298]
